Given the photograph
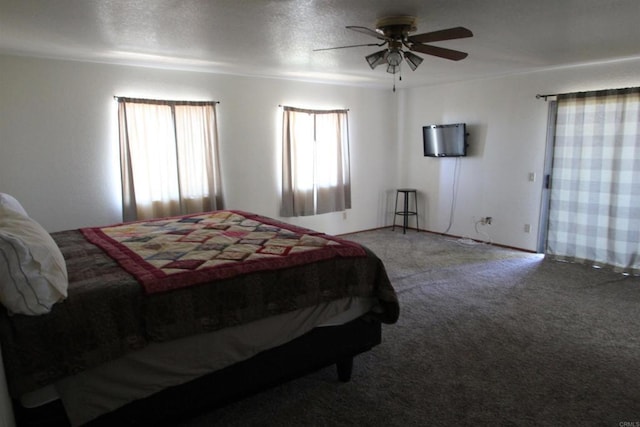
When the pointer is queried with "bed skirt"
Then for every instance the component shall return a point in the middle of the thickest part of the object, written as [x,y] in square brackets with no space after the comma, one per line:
[319,348]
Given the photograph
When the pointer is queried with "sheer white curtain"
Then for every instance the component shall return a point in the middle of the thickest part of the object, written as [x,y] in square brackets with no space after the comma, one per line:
[316,175]
[169,158]
[594,213]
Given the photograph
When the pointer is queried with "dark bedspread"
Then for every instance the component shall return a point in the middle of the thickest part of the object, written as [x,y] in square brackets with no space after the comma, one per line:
[107,314]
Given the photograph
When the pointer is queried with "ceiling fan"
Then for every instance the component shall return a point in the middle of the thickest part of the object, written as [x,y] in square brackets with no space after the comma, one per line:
[394,33]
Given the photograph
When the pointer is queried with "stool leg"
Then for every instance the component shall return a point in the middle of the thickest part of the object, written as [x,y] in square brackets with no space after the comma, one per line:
[405,223]
[395,209]
[415,199]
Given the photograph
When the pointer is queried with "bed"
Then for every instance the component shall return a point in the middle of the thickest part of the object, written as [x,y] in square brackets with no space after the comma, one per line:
[169,317]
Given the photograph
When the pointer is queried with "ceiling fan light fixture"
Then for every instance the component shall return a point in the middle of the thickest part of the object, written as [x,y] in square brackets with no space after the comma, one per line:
[376,59]
[394,57]
[413,60]
[392,69]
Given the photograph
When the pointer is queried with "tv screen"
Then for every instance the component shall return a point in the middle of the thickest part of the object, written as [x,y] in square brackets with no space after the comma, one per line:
[445,140]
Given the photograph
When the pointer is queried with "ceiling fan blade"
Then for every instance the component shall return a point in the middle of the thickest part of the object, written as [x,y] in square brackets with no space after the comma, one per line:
[367,31]
[435,36]
[453,55]
[345,47]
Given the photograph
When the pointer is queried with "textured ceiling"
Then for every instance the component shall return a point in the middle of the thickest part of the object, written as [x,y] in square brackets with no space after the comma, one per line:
[276,38]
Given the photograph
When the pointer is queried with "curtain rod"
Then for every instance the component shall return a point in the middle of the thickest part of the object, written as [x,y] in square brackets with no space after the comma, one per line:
[588,92]
[118,98]
[309,109]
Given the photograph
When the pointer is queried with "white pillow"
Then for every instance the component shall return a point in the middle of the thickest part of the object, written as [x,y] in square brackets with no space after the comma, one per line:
[33,273]
[9,202]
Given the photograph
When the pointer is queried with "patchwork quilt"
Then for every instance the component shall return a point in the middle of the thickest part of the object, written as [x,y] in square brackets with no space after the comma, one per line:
[188,250]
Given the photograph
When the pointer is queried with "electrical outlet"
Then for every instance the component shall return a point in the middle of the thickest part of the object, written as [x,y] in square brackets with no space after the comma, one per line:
[486,220]
[527,228]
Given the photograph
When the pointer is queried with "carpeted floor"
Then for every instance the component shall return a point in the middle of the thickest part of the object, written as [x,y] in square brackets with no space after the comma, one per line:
[486,336]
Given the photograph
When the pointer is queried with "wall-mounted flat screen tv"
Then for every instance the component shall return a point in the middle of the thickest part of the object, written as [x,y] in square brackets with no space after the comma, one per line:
[445,140]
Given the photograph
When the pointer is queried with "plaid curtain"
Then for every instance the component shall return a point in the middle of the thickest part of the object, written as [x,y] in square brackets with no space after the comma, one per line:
[594,214]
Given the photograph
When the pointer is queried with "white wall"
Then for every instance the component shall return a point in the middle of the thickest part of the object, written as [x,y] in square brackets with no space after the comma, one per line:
[507,127]
[59,147]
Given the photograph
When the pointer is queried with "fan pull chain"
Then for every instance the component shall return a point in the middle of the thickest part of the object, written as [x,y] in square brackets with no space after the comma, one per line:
[394,79]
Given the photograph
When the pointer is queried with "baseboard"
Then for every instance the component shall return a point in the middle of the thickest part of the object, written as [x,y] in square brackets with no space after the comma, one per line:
[453,236]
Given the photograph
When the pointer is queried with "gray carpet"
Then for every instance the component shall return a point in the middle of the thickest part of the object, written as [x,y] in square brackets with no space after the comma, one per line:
[486,336]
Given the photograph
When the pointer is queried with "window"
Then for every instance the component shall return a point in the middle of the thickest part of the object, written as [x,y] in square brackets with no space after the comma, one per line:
[315,162]
[168,157]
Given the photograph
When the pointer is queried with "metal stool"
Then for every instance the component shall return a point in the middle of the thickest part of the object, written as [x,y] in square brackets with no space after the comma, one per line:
[405,213]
